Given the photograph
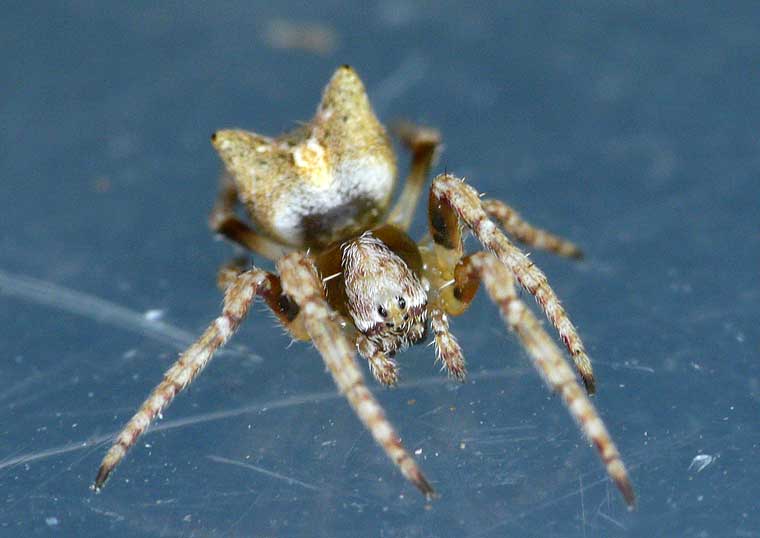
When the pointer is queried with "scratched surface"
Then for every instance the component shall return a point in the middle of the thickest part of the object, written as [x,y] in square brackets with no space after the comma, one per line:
[631,129]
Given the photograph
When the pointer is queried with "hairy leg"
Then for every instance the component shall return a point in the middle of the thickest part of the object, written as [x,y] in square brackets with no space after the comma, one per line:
[423,143]
[447,348]
[452,200]
[526,233]
[237,301]
[224,221]
[546,357]
[301,281]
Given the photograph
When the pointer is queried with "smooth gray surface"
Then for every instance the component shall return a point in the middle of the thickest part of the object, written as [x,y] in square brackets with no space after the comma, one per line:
[630,127]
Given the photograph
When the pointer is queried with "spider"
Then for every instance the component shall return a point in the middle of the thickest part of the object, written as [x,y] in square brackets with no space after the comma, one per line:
[351,279]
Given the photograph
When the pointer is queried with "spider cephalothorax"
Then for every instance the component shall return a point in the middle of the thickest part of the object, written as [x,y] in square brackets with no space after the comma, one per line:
[349,278]
[386,299]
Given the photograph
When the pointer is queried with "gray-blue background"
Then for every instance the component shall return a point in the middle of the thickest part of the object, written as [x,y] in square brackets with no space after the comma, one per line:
[631,127]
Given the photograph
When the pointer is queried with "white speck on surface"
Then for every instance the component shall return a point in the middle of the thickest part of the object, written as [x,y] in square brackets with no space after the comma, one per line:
[154,314]
[418,452]
[701,461]
[51,521]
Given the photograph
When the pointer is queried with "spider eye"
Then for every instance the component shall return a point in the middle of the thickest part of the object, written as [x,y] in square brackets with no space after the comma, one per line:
[382,311]
[401,303]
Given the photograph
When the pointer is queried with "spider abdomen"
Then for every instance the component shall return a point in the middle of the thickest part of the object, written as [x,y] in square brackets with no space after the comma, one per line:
[353,199]
[322,182]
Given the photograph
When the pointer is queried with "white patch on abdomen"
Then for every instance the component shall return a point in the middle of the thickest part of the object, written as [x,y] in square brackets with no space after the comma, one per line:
[369,180]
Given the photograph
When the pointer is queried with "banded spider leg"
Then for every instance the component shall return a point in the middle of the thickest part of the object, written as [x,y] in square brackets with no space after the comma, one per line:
[451,200]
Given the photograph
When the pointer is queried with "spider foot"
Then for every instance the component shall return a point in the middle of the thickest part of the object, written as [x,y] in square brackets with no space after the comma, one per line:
[586,375]
[100,480]
[448,350]
[384,369]
[457,372]
[424,486]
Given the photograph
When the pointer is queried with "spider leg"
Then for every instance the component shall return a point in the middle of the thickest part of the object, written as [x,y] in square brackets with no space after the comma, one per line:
[528,234]
[301,281]
[447,348]
[237,301]
[545,355]
[451,200]
[224,221]
[424,144]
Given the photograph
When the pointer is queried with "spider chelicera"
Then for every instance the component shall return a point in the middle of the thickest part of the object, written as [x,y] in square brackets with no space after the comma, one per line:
[349,278]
